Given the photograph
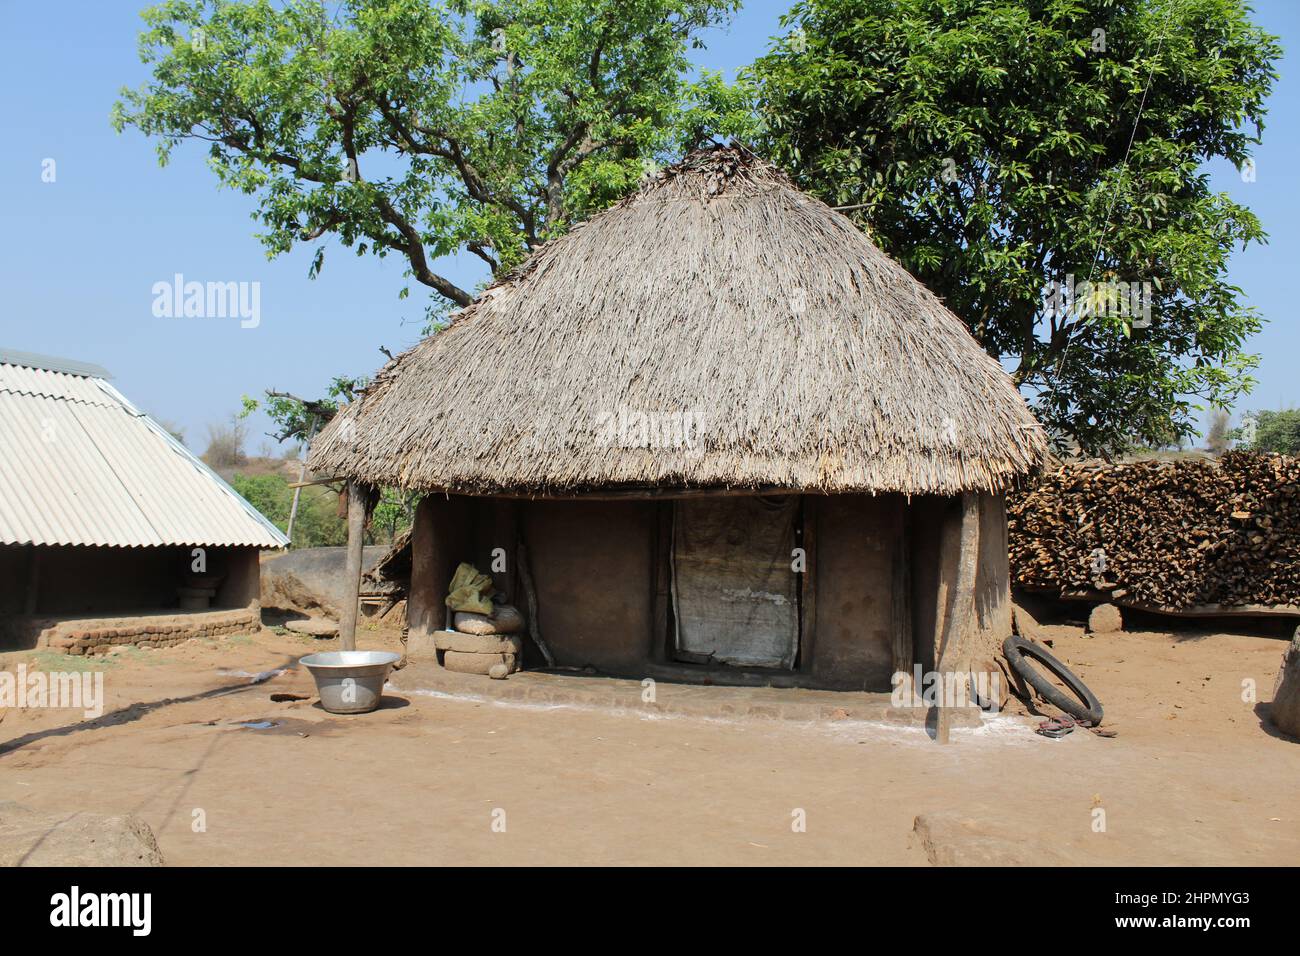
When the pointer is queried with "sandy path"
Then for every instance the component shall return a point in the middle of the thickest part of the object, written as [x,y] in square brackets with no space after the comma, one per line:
[1192,778]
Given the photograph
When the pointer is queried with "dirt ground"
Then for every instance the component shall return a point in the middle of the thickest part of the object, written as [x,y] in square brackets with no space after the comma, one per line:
[456,776]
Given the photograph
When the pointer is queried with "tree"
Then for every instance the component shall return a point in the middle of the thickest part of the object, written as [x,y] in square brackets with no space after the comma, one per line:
[299,419]
[996,147]
[317,525]
[423,128]
[1272,431]
[226,444]
[394,512]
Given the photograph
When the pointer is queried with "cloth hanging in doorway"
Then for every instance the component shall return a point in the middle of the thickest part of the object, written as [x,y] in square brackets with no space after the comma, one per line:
[735,592]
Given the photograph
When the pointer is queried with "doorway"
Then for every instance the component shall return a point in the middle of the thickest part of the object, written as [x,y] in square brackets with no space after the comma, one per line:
[734,588]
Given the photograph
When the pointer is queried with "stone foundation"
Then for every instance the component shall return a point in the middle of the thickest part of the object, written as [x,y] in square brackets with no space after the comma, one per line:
[81,636]
[467,653]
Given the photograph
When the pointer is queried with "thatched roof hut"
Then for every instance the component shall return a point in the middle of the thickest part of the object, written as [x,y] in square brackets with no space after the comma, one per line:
[667,403]
[797,354]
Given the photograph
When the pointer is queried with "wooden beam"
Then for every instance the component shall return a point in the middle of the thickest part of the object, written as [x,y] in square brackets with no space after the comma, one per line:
[315,481]
[530,595]
[1195,610]
[645,494]
[352,572]
[425,609]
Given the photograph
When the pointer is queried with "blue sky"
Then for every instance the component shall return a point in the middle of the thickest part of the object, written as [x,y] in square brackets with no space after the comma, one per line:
[79,257]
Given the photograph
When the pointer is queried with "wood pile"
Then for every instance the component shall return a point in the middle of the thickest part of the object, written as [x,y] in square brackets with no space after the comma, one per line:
[1165,535]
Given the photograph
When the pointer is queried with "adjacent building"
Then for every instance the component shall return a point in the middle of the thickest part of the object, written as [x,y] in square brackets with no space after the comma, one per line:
[111,530]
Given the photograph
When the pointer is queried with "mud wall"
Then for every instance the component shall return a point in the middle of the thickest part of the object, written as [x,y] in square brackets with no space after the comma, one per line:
[858,540]
[592,563]
[305,579]
[880,566]
[440,539]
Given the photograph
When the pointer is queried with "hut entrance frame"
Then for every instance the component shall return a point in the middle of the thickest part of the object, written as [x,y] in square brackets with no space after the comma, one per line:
[736,580]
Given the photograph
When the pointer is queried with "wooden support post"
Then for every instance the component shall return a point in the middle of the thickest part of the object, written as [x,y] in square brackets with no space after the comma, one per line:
[530,595]
[352,574]
[961,608]
[424,596]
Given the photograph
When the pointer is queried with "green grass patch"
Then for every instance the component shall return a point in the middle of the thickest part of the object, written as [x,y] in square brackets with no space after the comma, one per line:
[49,661]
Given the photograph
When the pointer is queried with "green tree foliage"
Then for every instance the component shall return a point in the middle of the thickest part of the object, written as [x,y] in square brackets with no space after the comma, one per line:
[423,128]
[393,514]
[298,419]
[1274,431]
[226,444]
[317,524]
[996,146]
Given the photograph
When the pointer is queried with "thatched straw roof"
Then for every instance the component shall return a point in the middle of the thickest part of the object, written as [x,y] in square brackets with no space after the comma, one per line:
[717,329]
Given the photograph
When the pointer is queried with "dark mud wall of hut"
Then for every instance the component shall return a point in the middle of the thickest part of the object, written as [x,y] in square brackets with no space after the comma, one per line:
[858,541]
[592,564]
[594,568]
[15,568]
[441,538]
[929,513]
[93,580]
[241,583]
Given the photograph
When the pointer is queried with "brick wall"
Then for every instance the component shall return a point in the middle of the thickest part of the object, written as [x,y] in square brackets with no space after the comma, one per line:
[99,636]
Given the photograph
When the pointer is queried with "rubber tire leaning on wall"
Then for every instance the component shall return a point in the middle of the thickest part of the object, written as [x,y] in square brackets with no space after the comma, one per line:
[1016,649]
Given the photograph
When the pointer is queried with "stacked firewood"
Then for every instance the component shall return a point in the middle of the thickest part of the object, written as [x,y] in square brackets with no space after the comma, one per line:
[1168,535]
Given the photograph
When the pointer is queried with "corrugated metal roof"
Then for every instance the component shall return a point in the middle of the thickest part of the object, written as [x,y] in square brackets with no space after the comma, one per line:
[52,363]
[26,380]
[79,464]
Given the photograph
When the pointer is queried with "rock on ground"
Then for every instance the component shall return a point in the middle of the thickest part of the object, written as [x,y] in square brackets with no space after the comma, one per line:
[314,627]
[31,838]
[1285,709]
[463,663]
[428,647]
[311,579]
[478,643]
[1105,619]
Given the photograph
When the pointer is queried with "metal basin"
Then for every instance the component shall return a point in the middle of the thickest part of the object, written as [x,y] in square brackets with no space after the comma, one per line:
[350,682]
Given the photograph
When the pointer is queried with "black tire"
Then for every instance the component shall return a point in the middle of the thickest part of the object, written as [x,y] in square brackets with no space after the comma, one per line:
[1017,649]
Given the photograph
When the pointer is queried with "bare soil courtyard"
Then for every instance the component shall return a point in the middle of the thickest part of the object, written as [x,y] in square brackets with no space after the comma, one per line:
[554,769]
